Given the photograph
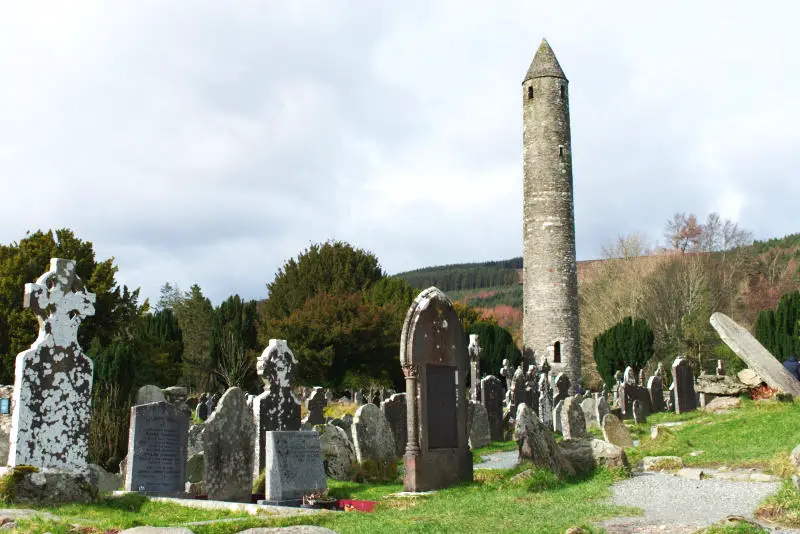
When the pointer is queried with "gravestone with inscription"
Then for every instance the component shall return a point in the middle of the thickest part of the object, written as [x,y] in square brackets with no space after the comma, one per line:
[394,410]
[276,408]
[434,357]
[157,443]
[492,399]
[562,388]
[683,378]
[228,449]
[293,467]
[53,380]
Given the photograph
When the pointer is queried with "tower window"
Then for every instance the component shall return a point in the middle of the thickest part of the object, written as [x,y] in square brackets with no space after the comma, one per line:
[561,150]
[530,93]
[557,352]
[563,91]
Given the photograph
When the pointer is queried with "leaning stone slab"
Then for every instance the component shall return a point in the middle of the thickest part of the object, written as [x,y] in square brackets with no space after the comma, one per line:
[615,432]
[755,355]
[537,443]
[228,449]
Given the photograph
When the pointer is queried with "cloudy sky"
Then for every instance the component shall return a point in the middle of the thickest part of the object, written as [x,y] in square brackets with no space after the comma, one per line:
[209,141]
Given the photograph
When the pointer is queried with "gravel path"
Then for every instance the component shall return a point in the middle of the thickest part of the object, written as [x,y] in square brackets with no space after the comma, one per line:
[675,504]
[498,460]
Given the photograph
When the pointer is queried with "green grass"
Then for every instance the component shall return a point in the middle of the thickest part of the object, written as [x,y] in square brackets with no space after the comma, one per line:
[783,507]
[755,435]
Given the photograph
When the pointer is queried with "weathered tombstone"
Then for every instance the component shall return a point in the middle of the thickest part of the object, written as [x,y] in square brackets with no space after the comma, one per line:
[601,409]
[293,467]
[656,391]
[639,415]
[755,355]
[337,451]
[149,394]
[433,354]
[557,423]
[358,397]
[474,366]
[211,404]
[479,432]
[492,399]
[588,408]
[53,379]
[545,401]
[507,372]
[562,388]
[315,405]
[157,443]
[615,432]
[394,410]
[201,410]
[683,377]
[277,408]
[518,393]
[573,423]
[532,388]
[228,449]
[372,436]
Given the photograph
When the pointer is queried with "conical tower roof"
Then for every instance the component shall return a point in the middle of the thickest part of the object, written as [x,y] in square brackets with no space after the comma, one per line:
[544,64]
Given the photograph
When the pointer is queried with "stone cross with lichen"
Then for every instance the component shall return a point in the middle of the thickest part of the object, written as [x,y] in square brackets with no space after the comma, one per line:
[53,378]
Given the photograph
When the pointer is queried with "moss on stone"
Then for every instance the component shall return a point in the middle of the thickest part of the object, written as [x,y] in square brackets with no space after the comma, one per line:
[8,483]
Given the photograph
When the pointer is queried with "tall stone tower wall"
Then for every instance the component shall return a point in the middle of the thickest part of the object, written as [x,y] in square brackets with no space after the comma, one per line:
[550,322]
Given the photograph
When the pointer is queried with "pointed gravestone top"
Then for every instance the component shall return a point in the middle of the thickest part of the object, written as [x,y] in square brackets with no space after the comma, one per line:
[53,381]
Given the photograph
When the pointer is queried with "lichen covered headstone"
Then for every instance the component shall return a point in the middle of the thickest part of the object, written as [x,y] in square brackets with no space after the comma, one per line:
[337,450]
[573,423]
[394,409]
[277,409]
[53,379]
[228,449]
[372,436]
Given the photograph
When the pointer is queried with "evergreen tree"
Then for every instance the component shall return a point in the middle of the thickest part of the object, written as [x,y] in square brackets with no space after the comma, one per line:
[233,343]
[497,345]
[628,343]
[779,330]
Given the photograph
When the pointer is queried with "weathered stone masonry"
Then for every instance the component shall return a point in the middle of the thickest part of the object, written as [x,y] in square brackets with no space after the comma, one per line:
[550,323]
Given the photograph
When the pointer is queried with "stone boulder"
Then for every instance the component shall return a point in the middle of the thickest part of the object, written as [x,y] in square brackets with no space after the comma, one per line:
[723,404]
[585,455]
[480,433]
[228,449]
[662,463]
[794,457]
[106,482]
[615,432]
[149,394]
[537,443]
[726,386]
[338,453]
[573,422]
[750,378]
[372,436]
[51,487]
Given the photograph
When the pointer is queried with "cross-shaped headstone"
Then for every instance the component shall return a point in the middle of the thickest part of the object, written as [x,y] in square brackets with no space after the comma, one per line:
[53,383]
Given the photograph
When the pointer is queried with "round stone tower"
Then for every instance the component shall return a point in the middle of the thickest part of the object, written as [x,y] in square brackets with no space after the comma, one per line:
[550,284]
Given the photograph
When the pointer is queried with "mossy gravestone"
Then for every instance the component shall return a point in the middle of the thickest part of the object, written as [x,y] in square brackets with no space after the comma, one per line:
[53,379]
[228,449]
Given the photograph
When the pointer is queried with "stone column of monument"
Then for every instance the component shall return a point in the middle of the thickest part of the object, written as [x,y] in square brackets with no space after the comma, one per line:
[53,379]
[550,281]
[474,366]
[411,373]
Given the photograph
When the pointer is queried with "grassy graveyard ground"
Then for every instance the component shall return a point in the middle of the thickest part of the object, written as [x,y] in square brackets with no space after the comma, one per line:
[756,435]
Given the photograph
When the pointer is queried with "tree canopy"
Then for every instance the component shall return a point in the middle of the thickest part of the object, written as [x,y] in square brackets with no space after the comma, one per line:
[627,343]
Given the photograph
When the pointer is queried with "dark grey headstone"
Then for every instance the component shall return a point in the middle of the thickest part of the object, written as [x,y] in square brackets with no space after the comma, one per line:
[157,444]
[683,377]
[492,399]
[655,390]
[395,411]
[293,466]
[315,406]
[442,432]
